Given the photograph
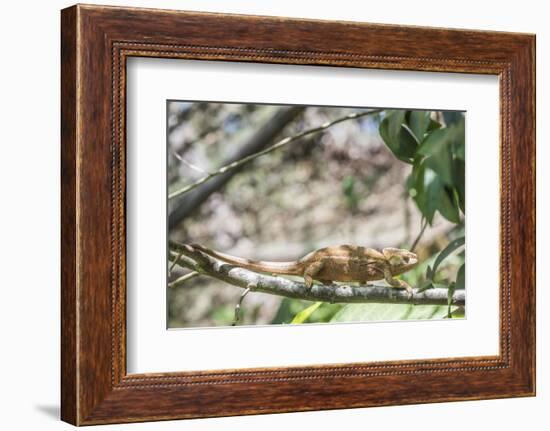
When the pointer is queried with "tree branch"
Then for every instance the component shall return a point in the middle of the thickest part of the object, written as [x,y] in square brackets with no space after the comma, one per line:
[335,293]
[181,280]
[281,143]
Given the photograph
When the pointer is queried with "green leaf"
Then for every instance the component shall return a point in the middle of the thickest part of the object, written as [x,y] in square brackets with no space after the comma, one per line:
[418,123]
[408,135]
[303,315]
[286,311]
[461,277]
[452,117]
[452,246]
[399,140]
[459,170]
[426,284]
[378,312]
[424,194]
[437,149]
[431,194]
[435,196]
[459,149]
[448,204]
[430,273]
[390,127]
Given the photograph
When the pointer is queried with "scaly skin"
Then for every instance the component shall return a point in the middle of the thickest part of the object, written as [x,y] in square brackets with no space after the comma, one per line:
[343,263]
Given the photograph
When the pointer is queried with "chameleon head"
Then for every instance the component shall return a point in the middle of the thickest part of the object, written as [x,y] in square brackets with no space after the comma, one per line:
[401,260]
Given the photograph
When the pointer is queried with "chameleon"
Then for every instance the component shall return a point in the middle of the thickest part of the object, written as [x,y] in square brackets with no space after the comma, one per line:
[343,263]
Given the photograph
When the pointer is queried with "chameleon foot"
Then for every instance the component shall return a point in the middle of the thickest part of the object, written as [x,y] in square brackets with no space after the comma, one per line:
[311,271]
[408,288]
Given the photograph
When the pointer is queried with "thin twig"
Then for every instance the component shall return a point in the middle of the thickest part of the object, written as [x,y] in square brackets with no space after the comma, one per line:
[238,306]
[189,164]
[274,147]
[181,280]
[417,240]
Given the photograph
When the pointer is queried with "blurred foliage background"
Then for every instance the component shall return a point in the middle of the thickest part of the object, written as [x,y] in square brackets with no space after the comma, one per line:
[377,181]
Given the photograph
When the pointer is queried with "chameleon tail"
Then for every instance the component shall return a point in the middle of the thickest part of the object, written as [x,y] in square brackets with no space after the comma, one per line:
[287,268]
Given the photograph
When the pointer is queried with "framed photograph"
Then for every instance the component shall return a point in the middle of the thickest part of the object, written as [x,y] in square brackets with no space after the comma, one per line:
[322,214]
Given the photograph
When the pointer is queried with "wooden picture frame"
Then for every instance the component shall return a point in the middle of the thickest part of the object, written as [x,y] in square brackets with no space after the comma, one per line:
[95,43]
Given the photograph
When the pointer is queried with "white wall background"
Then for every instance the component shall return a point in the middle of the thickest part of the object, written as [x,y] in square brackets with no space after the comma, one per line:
[29,215]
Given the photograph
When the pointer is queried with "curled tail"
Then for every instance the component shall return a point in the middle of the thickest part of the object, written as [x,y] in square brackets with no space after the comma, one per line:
[288,268]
